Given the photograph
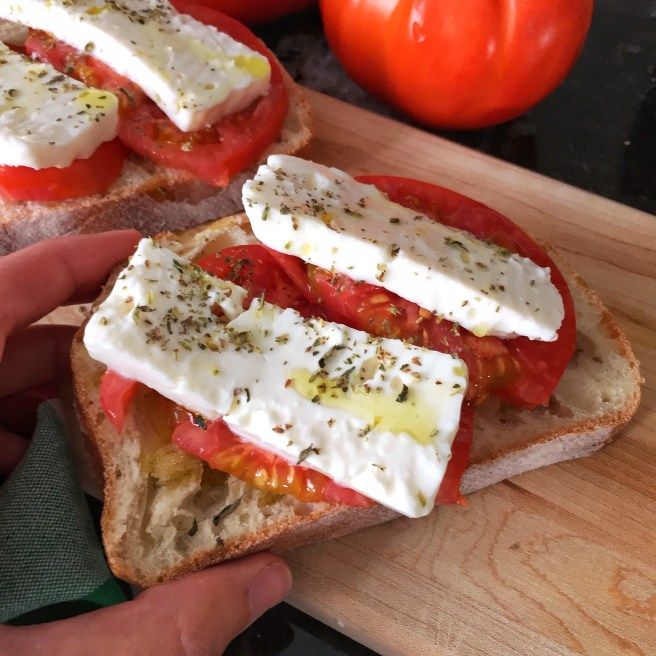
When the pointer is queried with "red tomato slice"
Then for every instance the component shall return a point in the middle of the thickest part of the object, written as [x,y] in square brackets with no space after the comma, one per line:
[252,266]
[116,394]
[256,267]
[257,11]
[85,68]
[449,491]
[382,313]
[214,154]
[223,450]
[541,363]
[295,269]
[83,177]
[336,493]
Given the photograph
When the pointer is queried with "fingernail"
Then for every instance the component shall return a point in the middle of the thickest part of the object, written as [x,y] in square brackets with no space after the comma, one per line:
[270,587]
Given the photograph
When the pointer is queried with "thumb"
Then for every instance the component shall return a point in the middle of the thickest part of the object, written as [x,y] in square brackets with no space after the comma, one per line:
[197,615]
[211,607]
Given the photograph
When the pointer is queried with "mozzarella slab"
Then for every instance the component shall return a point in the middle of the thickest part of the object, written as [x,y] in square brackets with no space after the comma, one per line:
[48,119]
[193,72]
[376,415]
[327,218]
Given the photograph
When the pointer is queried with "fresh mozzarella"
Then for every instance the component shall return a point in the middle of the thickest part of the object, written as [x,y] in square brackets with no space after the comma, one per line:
[327,218]
[12,33]
[376,415]
[193,72]
[48,119]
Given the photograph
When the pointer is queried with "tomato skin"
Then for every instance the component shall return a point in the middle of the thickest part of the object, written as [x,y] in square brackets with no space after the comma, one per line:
[223,450]
[83,177]
[213,154]
[458,64]
[254,12]
[336,493]
[542,363]
[116,395]
[252,266]
[83,67]
[449,491]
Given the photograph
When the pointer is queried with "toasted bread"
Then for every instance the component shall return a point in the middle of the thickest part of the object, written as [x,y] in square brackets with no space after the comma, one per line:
[160,523]
[146,196]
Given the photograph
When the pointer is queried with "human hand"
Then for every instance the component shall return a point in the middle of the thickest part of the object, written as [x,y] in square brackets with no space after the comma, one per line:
[33,282]
[194,616]
[197,615]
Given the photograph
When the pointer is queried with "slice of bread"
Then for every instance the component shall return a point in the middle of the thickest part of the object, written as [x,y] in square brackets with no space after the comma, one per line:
[167,514]
[146,196]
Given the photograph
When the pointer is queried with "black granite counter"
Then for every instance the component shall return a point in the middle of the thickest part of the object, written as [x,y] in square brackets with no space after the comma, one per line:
[597,131]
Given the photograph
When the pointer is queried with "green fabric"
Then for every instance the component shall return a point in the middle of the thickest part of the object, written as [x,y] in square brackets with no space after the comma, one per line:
[107,594]
[51,561]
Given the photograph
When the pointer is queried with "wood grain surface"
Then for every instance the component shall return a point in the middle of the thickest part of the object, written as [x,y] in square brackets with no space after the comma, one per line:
[557,561]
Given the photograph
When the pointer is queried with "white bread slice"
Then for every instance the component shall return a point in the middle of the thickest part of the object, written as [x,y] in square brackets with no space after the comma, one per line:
[155,529]
[147,197]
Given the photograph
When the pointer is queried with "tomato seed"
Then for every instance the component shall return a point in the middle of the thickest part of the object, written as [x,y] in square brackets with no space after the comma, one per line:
[377,299]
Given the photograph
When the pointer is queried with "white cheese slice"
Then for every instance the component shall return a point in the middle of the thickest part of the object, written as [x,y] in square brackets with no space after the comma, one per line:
[376,415]
[327,218]
[193,72]
[12,33]
[47,118]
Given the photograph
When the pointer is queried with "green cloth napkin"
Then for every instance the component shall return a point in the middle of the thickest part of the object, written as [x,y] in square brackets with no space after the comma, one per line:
[51,561]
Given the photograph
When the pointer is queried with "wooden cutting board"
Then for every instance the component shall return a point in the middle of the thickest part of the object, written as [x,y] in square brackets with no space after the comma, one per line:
[556,561]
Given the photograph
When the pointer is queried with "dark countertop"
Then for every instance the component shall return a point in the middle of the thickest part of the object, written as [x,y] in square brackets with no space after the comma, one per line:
[597,131]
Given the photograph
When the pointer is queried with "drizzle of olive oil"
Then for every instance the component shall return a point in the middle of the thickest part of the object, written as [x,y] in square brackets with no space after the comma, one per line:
[96,99]
[460,371]
[94,11]
[383,412]
[258,67]
[155,421]
[481,330]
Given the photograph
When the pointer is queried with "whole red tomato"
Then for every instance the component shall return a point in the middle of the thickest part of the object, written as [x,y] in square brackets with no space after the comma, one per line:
[458,63]
[257,11]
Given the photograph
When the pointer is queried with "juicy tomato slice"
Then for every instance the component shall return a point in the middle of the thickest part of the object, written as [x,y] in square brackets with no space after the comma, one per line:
[84,67]
[257,11]
[261,271]
[251,266]
[214,154]
[449,491]
[385,314]
[223,450]
[116,394]
[541,363]
[83,177]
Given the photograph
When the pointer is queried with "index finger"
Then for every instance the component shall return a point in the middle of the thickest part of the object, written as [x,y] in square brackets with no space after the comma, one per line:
[39,278]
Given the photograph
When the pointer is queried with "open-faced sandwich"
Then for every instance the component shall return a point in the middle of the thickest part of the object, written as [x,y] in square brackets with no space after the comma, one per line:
[132,113]
[351,351]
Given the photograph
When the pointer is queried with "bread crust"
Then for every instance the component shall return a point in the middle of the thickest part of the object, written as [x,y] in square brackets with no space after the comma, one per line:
[146,196]
[570,439]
